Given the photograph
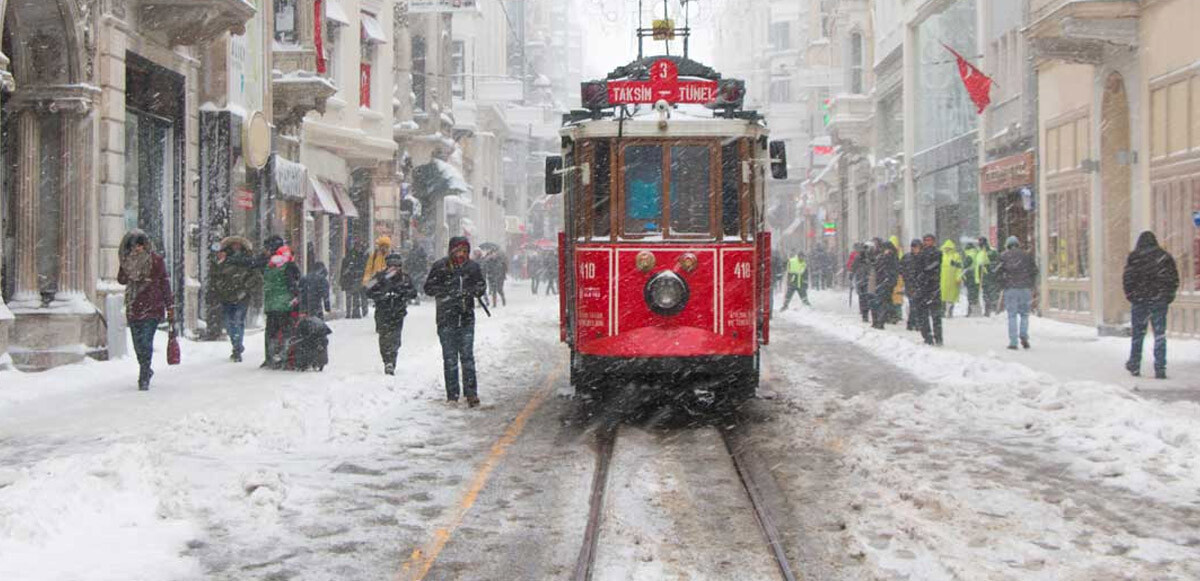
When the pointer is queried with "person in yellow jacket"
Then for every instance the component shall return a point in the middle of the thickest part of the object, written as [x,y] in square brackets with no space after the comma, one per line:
[898,291]
[952,271]
[797,279]
[377,262]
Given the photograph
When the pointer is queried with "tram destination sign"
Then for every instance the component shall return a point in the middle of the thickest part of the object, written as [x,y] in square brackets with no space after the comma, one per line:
[665,85]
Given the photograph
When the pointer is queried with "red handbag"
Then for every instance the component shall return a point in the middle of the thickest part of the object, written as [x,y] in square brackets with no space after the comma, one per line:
[173,354]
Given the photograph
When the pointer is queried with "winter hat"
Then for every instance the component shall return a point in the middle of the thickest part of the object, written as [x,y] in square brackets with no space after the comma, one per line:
[394,259]
[273,242]
[460,241]
[1146,241]
[283,255]
[916,242]
[1012,242]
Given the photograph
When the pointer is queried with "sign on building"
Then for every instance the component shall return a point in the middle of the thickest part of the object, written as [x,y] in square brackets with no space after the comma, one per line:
[426,6]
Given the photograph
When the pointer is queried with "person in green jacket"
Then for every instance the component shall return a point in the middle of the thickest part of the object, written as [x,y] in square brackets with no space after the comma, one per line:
[797,279]
[952,268]
[988,260]
[970,277]
[281,289]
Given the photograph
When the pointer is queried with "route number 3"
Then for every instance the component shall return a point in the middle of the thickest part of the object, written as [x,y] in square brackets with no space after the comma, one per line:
[741,270]
[587,270]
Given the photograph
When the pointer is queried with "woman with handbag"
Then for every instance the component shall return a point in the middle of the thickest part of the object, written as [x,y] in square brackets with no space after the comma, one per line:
[147,298]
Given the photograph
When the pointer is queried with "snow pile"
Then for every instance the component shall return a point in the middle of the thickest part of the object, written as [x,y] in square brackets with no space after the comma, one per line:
[1100,432]
[106,516]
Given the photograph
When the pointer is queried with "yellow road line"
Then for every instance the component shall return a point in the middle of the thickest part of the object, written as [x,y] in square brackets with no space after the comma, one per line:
[417,566]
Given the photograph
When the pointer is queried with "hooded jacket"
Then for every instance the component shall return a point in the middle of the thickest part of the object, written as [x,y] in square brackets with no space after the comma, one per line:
[148,292]
[391,293]
[456,287]
[1151,276]
[1017,269]
[281,281]
[929,277]
[314,292]
[236,279]
[952,267]
[378,260]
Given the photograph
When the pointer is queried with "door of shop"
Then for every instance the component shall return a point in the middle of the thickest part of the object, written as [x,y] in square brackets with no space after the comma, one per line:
[1013,220]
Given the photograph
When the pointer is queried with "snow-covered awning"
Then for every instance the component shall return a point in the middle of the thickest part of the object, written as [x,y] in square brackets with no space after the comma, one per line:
[343,200]
[372,30]
[335,12]
[320,199]
[291,179]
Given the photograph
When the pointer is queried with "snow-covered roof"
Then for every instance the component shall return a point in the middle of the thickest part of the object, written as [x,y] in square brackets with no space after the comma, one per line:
[454,177]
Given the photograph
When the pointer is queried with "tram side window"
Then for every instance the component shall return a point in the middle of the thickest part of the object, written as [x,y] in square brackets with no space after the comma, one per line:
[602,189]
[731,181]
[690,202]
[643,188]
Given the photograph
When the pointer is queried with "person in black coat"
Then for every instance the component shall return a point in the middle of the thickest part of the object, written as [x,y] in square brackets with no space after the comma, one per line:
[1151,280]
[887,273]
[457,283]
[495,269]
[860,269]
[391,290]
[929,291]
[314,292]
[910,270]
[353,266]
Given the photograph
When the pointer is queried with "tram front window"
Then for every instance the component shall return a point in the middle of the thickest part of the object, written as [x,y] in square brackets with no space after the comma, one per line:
[690,201]
[643,189]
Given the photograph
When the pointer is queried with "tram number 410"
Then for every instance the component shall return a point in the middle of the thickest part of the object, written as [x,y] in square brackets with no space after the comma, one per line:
[742,270]
[587,270]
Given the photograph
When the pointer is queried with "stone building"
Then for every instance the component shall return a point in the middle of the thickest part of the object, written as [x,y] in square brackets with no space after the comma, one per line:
[100,134]
[1119,146]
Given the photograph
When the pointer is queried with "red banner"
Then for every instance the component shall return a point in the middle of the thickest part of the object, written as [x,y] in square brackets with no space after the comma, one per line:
[318,16]
[664,84]
[364,86]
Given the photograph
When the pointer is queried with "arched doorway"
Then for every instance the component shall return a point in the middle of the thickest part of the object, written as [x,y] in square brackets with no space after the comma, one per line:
[1116,181]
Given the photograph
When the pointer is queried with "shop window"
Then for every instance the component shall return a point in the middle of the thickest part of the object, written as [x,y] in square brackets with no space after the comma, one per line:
[332,44]
[691,171]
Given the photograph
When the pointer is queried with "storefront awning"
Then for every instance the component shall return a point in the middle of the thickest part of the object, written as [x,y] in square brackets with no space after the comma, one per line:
[372,31]
[291,179]
[344,201]
[320,199]
[335,12]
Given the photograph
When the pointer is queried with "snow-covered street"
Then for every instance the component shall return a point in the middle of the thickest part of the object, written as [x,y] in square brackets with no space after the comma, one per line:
[890,460]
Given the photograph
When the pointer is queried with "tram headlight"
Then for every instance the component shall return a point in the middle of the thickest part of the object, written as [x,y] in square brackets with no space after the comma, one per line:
[666,293]
[645,261]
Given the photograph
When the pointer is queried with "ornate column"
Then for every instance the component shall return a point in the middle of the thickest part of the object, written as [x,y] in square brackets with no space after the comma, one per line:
[25,212]
[76,148]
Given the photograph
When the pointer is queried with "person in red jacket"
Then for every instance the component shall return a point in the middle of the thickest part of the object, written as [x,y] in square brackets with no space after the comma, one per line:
[147,297]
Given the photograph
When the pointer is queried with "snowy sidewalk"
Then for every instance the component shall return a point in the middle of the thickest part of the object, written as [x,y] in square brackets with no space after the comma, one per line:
[1066,351]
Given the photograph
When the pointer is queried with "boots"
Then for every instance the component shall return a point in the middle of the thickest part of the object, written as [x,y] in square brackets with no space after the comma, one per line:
[144,376]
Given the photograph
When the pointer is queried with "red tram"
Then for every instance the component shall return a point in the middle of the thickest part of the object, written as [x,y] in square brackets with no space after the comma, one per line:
[664,264]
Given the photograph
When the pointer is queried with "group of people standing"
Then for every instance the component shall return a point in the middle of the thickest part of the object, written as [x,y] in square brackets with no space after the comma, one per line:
[932,279]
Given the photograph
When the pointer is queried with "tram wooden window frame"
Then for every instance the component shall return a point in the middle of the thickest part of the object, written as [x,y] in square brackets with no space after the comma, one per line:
[714,178]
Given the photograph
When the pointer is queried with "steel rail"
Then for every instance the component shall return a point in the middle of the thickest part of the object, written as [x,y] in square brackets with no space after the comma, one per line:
[606,439]
[765,522]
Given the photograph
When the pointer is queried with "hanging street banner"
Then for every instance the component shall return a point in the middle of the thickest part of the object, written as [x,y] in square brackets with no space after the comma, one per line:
[428,6]
[664,84]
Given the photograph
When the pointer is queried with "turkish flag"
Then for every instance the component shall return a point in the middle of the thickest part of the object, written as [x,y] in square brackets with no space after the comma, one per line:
[979,85]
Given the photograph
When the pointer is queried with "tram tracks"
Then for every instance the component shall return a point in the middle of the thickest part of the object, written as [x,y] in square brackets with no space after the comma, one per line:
[750,478]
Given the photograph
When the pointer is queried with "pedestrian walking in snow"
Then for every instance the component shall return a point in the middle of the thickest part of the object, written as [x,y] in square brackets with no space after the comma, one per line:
[236,281]
[797,279]
[353,267]
[1151,280]
[860,266]
[147,297]
[457,283]
[929,291]
[1018,276]
[314,292]
[887,270]
[495,269]
[391,290]
[952,268]
[281,289]
[377,261]
[416,264]
[909,271]
[988,261]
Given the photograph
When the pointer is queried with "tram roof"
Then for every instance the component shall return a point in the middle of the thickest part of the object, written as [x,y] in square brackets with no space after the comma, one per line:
[683,121]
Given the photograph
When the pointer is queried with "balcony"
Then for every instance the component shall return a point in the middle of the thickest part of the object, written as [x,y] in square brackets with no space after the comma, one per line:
[296,93]
[1079,31]
[850,119]
[189,22]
